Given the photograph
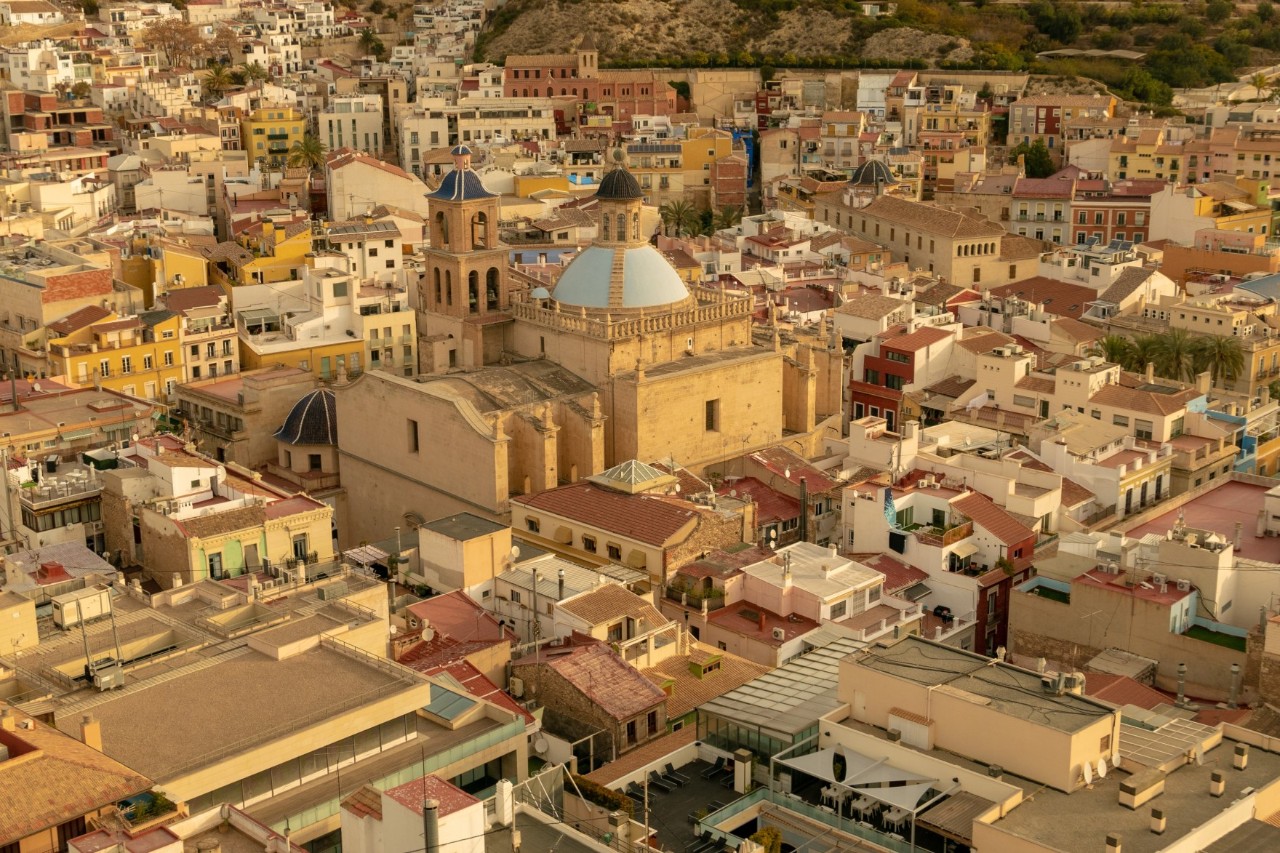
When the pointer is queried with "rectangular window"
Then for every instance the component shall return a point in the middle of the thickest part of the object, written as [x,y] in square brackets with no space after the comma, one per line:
[533,525]
[1120,420]
[1142,429]
[589,544]
[413,435]
[838,609]
[126,364]
[614,552]
[168,358]
[712,415]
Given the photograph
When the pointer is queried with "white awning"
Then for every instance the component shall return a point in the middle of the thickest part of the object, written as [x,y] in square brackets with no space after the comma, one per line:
[965,549]
[365,555]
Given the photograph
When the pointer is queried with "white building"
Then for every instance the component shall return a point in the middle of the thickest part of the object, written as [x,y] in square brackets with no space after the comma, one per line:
[353,121]
[17,12]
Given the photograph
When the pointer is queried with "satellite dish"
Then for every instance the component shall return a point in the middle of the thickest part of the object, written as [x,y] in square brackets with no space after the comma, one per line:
[787,473]
[1087,769]
[428,634]
[35,386]
[1199,755]
[540,745]
[1102,768]
[515,553]
[1115,761]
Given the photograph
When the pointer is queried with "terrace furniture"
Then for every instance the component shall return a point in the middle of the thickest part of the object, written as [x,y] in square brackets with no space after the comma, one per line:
[656,783]
[670,772]
[715,769]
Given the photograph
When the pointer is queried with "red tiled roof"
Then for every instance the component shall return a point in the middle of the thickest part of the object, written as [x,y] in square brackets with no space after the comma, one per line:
[898,338]
[480,686]
[897,574]
[651,519]
[451,798]
[1056,297]
[1122,690]
[86,316]
[1074,494]
[458,616]
[793,468]
[771,505]
[186,298]
[986,514]
[612,684]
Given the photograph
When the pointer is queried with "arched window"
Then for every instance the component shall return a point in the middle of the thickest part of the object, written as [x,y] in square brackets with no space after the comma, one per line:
[491,289]
[473,292]
[550,91]
[480,231]
[622,226]
[437,283]
[448,287]
[635,226]
[524,93]
[575,90]
[563,90]
[604,225]
[442,228]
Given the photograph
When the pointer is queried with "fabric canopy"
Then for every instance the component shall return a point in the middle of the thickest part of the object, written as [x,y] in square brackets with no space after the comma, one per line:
[865,776]
[965,549]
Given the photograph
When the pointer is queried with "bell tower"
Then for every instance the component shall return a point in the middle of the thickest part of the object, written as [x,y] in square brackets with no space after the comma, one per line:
[463,293]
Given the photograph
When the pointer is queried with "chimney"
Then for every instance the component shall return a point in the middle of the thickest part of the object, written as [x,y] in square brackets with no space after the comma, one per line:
[1158,821]
[1261,527]
[1182,684]
[1240,760]
[1239,534]
[1113,843]
[1151,371]
[7,722]
[431,826]
[1235,675]
[1217,783]
[560,585]
[91,732]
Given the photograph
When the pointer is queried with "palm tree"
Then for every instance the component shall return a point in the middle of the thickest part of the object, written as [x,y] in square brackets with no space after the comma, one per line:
[1116,349]
[217,81]
[254,72]
[370,43]
[681,216]
[308,151]
[1143,350]
[1176,355]
[1222,356]
[728,216]
[1260,82]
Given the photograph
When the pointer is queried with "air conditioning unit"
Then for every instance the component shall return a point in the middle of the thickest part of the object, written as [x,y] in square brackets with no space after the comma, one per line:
[515,686]
[1158,579]
[1183,585]
[779,634]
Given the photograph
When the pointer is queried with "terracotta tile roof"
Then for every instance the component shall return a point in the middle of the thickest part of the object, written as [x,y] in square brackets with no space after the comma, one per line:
[980,339]
[616,687]
[186,298]
[651,519]
[451,798]
[1125,284]
[613,601]
[771,505]
[1056,297]
[643,756]
[365,802]
[1064,100]
[940,293]
[1042,188]
[1077,330]
[690,691]
[931,219]
[1037,384]
[995,520]
[86,316]
[898,338]
[478,685]
[1122,690]
[51,777]
[1074,494]
[952,386]
[457,616]
[1148,402]
[871,306]
[780,461]
[218,523]
[897,574]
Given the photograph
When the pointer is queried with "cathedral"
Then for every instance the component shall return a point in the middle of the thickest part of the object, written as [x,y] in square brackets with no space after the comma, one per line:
[522,389]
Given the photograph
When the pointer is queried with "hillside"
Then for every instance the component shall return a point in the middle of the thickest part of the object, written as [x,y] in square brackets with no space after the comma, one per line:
[717,32]
[1182,45]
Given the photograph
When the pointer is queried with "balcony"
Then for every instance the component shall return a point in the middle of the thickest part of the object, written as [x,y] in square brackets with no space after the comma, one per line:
[940,537]
[78,485]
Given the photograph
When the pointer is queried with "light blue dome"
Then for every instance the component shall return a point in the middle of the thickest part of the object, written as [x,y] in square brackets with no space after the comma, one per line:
[647,280]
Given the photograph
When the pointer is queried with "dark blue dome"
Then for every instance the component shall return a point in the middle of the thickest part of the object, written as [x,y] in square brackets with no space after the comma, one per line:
[312,420]
[872,173]
[461,185]
[619,184]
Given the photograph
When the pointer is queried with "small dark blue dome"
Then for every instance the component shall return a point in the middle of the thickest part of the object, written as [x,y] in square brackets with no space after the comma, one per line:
[461,185]
[460,150]
[312,420]
[619,184]
[872,173]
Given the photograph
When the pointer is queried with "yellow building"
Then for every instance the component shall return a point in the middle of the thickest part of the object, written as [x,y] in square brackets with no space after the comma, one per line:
[140,356]
[704,146]
[268,133]
[279,250]
[658,167]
